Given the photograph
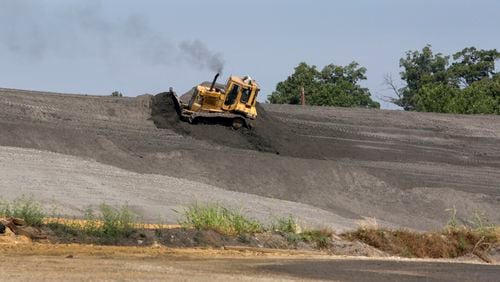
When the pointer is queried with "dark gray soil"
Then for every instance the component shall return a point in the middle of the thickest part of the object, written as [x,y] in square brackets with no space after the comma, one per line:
[403,168]
[261,138]
[368,270]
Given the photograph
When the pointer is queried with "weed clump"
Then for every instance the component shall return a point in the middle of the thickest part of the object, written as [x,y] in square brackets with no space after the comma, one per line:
[25,208]
[322,237]
[285,225]
[406,243]
[288,227]
[109,226]
[476,236]
[219,219]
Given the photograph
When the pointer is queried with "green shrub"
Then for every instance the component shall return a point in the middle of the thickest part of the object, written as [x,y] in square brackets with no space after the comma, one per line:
[25,208]
[108,226]
[219,219]
[288,227]
[321,237]
[285,225]
[111,225]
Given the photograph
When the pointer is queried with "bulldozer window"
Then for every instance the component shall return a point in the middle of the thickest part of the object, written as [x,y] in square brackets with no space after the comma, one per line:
[254,97]
[231,97]
[245,94]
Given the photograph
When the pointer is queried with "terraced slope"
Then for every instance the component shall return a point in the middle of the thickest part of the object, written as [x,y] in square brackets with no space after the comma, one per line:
[402,168]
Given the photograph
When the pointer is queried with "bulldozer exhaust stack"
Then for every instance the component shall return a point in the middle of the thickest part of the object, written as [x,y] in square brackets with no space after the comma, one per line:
[213,82]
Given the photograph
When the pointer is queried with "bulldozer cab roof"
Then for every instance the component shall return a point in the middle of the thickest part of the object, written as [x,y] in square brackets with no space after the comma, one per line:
[239,80]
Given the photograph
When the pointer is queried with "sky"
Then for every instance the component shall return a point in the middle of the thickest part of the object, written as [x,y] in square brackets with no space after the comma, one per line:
[136,47]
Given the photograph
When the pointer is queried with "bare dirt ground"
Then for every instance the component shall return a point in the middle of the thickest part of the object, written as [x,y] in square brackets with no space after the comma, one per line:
[84,262]
[404,169]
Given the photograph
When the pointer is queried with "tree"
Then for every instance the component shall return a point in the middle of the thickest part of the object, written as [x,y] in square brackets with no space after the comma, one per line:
[481,97]
[473,65]
[434,98]
[420,68]
[469,85]
[288,91]
[116,94]
[332,86]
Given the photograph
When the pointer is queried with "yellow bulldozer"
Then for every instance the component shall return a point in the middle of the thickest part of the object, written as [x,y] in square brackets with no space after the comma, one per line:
[233,103]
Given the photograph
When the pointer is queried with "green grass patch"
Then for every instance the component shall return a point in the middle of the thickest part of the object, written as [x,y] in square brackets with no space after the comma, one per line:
[285,225]
[321,237]
[220,219]
[25,208]
[288,227]
[109,225]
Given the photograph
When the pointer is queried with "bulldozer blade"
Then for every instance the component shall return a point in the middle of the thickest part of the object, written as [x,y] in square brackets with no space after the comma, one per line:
[177,102]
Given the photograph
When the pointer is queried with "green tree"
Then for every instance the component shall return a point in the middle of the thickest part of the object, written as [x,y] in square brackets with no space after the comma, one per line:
[469,85]
[288,91]
[434,98]
[473,65]
[481,97]
[116,94]
[332,86]
[420,68]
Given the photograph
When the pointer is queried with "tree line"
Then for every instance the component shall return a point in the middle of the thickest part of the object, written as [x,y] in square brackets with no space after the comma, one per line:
[464,83]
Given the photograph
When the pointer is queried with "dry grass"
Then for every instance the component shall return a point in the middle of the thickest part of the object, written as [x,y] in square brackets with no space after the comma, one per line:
[449,243]
[460,237]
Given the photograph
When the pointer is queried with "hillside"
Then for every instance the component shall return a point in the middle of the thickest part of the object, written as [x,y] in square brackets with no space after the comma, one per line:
[327,166]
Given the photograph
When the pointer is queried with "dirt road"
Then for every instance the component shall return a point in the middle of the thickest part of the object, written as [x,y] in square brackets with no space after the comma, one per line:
[75,263]
[404,169]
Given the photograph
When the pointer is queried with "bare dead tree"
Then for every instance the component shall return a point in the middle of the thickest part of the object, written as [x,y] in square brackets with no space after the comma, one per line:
[391,85]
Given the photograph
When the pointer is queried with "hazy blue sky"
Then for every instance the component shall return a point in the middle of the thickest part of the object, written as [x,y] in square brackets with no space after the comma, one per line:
[139,47]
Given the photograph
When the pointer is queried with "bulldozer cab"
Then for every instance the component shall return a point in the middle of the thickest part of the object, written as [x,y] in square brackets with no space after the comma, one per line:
[241,94]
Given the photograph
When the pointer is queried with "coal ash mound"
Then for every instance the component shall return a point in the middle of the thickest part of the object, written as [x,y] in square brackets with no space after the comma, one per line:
[260,138]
